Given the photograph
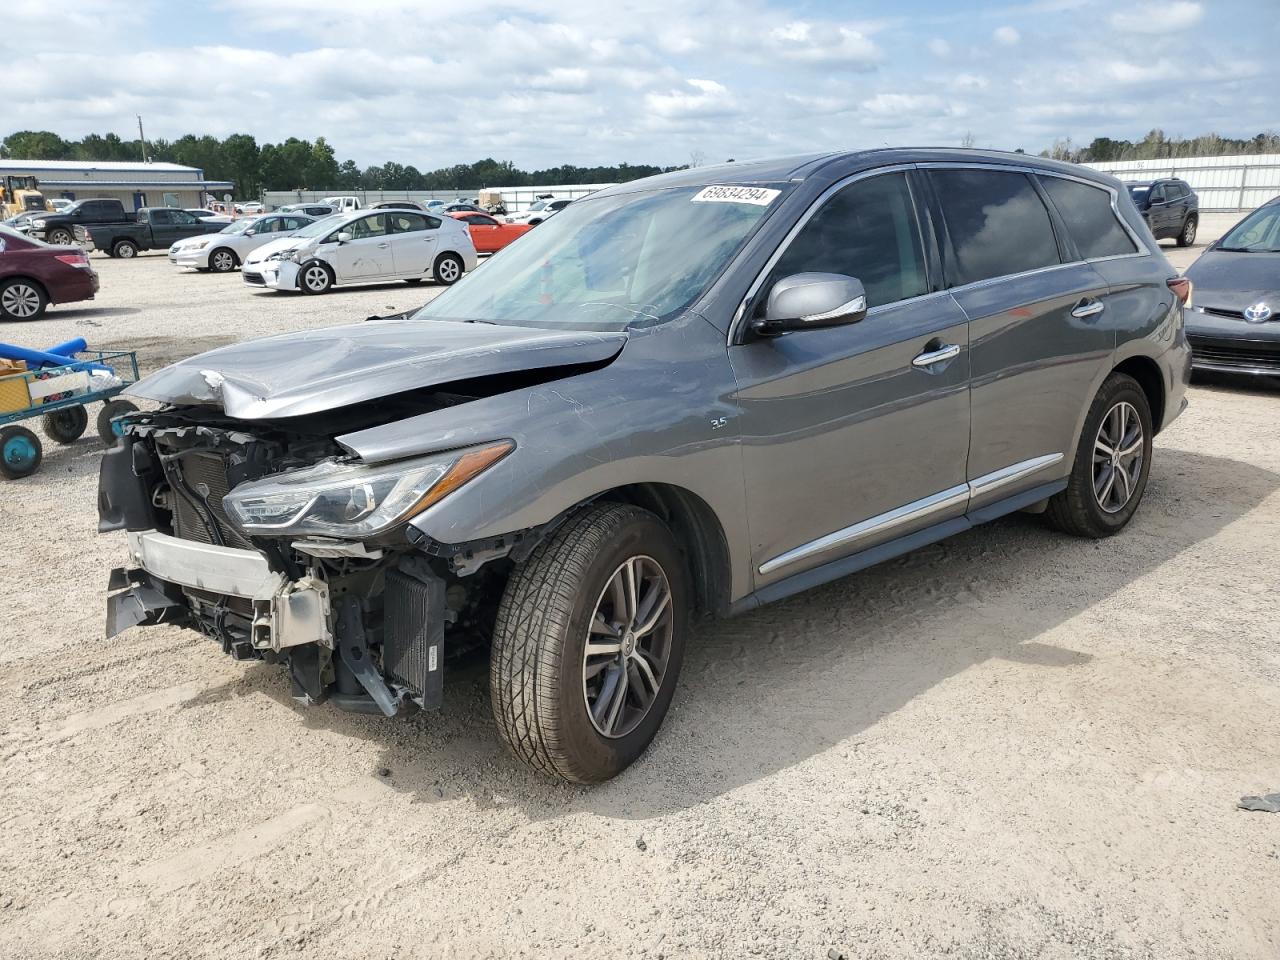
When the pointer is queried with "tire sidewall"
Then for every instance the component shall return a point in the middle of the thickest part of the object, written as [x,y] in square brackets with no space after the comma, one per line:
[447,258]
[1123,389]
[42,298]
[599,757]
[302,278]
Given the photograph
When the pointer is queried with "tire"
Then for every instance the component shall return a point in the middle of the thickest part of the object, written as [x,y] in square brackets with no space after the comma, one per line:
[1187,235]
[107,431]
[61,238]
[315,277]
[66,425]
[22,299]
[539,685]
[20,452]
[448,269]
[223,260]
[1090,506]
[124,249]
[534,223]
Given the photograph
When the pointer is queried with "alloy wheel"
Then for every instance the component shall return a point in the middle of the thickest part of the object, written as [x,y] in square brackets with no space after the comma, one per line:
[223,261]
[20,300]
[1189,233]
[628,646]
[1117,457]
[316,278]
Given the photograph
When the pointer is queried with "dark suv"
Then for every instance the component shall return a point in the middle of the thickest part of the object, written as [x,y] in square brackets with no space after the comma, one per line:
[1170,208]
[688,395]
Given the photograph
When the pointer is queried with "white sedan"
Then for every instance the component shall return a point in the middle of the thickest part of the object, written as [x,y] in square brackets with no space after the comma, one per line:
[365,247]
[224,251]
[539,211]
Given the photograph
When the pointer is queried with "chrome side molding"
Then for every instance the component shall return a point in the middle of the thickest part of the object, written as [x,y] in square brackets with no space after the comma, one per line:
[911,512]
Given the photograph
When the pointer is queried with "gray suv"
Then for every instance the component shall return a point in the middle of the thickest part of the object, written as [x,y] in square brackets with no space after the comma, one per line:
[684,396]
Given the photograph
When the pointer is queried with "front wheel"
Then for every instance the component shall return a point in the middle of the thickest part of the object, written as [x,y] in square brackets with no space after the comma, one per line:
[20,452]
[223,260]
[1188,235]
[448,269]
[588,644]
[315,278]
[1112,462]
[62,238]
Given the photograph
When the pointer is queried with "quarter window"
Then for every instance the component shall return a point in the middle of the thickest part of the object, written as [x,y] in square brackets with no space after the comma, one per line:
[997,223]
[868,230]
[1089,219]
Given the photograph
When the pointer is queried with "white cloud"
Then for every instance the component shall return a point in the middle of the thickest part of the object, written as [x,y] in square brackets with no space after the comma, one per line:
[1155,18]
[698,98]
[1006,36]
[939,47]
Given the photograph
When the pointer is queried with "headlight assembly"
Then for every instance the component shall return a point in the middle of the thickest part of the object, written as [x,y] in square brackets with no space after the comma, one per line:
[354,501]
[37,224]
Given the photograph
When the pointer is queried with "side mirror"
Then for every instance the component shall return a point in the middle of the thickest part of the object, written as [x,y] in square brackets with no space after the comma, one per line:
[805,301]
[344,237]
[250,232]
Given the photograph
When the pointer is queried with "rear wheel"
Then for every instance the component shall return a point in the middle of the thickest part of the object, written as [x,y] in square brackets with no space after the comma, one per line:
[124,249]
[109,431]
[1188,235]
[448,269]
[1113,458]
[588,644]
[66,425]
[315,278]
[20,452]
[22,300]
[223,260]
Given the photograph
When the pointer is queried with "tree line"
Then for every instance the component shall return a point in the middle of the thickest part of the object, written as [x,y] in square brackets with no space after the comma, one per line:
[1156,146]
[302,164]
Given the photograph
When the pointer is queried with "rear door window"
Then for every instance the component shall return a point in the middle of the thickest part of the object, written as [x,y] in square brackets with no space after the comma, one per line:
[407,222]
[997,223]
[1089,219]
[868,230]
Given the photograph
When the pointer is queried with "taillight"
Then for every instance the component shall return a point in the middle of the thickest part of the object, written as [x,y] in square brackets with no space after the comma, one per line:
[73,259]
[1181,288]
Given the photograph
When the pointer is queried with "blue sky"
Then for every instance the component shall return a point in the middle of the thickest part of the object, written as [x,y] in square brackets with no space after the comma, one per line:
[434,82]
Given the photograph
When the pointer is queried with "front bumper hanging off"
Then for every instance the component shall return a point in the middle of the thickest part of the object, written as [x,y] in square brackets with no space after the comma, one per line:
[325,643]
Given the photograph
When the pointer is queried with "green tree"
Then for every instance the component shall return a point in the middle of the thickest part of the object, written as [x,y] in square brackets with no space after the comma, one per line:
[36,145]
[322,166]
[242,160]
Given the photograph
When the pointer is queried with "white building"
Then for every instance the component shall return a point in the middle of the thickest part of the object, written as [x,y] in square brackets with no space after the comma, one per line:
[133,184]
[1222,183]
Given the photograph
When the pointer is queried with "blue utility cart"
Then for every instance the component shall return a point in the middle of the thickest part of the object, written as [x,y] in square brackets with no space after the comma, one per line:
[58,395]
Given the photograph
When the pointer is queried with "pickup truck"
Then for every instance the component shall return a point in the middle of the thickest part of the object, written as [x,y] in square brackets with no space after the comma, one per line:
[155,228]
[60,228]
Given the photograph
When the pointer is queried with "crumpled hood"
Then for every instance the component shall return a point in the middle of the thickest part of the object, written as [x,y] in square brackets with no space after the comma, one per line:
[1234,281]
[314,370]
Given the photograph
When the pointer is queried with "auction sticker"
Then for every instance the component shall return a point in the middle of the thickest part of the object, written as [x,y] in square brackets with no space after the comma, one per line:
[760,196]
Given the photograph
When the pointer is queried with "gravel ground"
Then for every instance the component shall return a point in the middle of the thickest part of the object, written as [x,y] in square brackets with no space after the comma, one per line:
[1007,745]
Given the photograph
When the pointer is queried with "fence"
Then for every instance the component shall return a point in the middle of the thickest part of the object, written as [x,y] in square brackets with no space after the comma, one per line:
[1222,183]
[517,199]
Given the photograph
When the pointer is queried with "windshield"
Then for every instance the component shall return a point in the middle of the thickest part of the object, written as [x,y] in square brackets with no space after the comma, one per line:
[319,227]
[538,205]
[7,234]
[610,262]
[240,226]
[1258,232]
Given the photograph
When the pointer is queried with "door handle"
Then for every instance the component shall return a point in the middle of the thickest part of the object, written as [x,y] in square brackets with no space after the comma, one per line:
[1088,308]
[948,351]
[383,244]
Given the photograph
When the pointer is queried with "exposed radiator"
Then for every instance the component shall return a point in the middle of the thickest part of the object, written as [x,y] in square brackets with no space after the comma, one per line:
[413,634]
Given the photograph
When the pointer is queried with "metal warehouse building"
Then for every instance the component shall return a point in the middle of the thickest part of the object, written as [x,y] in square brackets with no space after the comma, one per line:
[1222,183]
[133,184]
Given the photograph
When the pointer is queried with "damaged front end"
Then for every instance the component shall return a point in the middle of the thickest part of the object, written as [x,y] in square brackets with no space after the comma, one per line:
[276,543]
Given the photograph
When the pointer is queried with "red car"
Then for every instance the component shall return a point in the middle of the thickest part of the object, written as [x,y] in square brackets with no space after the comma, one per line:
[488,235]
[34,274]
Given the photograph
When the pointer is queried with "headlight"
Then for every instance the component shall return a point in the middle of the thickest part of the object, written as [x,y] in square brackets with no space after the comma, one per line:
[352,500]
[37,224]
[199,244]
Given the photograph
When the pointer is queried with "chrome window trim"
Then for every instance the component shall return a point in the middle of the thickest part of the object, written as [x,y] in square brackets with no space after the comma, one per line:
[915,510]
[814,206]
[754,288]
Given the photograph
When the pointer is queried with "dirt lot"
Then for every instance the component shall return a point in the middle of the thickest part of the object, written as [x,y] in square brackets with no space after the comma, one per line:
[1007,745]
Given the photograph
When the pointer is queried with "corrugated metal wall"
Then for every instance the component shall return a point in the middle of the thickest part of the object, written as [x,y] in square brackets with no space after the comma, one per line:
[1222,183]
[517,199]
